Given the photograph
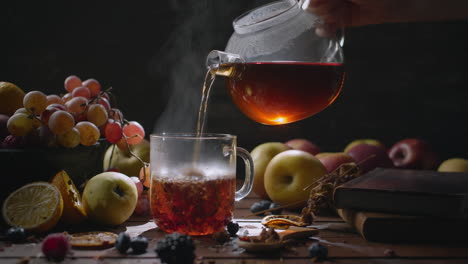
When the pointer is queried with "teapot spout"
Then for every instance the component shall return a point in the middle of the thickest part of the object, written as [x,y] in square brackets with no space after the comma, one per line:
[223,63]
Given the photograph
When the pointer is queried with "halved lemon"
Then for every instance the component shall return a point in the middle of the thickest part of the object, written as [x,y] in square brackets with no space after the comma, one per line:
[36,207]
[73,211]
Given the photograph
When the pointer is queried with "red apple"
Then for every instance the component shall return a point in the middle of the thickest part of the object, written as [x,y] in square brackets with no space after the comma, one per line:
[331,161]
[413,153]
[369,157]
[304,145]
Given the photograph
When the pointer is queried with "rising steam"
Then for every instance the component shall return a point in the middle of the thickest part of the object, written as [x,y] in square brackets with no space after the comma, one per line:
[203,25]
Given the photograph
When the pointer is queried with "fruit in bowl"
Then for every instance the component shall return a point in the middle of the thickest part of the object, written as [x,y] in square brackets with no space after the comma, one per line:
[56,133]
[11,98]
[124,161]
[85,107]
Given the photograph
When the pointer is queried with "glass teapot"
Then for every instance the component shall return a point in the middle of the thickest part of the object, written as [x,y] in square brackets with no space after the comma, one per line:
[277,69]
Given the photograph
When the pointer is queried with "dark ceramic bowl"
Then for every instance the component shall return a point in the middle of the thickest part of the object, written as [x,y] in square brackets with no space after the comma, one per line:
[21,166]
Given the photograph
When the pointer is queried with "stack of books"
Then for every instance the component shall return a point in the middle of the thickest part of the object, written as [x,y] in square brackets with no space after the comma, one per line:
[397,205]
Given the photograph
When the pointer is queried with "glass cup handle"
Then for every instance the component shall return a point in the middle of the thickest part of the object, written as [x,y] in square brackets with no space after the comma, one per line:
[249,173]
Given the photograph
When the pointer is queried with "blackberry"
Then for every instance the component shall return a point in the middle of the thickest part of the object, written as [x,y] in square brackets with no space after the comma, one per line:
[277,211]
[176,248]
[232,228]
[16,234]
[123,242]
[260,206]
[318,251]
[139,244]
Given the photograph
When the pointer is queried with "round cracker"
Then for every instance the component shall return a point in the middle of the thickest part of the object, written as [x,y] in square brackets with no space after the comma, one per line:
[93,240]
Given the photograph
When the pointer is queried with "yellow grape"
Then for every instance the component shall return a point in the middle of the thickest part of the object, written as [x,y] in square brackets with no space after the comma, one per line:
[19,124]
[77,105]
[23,111]
[93,85]
[54,99]
[35,102]
[67,97]
[89,133]
[70,139]
[71,82]
[97,114]
[82,91]
[61,122]
[36,122]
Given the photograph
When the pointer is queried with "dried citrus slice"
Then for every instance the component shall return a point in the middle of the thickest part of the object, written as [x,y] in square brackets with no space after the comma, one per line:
[73,211]
[282,221]
[36,207]
[93,240]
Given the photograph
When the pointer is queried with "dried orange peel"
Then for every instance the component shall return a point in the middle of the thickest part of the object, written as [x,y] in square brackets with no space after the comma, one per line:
[73,211]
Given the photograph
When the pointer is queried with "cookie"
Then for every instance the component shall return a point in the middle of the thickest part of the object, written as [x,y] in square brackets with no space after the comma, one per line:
[93,240]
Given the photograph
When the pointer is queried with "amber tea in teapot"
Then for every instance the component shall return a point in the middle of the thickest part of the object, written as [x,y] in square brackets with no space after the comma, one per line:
[275,93]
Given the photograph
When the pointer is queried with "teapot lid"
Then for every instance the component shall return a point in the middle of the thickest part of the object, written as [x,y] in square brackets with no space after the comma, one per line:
[266,16]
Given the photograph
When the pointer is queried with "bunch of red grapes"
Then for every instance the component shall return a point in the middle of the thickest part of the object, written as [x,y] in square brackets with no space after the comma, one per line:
[80,116]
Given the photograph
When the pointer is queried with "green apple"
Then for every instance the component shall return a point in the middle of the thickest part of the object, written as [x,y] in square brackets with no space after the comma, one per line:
[368,141]
[454,165]
[109,198]
[123,161]
[288,173]
[261,156]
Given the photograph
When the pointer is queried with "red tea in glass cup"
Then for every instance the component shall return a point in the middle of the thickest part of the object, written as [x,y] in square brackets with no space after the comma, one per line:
[193,181]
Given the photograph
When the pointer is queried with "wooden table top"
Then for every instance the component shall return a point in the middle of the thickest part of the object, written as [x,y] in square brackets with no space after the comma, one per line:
[344,246]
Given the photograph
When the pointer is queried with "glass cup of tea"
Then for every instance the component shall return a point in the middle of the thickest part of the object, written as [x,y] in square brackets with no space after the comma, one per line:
[193,181]
[278,67]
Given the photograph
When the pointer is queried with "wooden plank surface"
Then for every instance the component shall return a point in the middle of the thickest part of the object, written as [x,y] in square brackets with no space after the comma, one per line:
[344,246]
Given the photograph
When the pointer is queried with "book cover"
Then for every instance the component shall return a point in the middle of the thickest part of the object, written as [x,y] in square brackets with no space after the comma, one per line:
[412,192]
[391,228]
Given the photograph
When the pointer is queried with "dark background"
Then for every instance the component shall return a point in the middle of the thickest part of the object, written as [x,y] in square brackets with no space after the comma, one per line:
[403,80]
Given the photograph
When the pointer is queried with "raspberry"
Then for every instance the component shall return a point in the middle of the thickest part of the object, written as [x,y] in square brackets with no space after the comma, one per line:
[221,237]
[56,246]
[123,243]
[139,244]
[176,248]
[318,251]
[232,228]
[16,234]
[260,206]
